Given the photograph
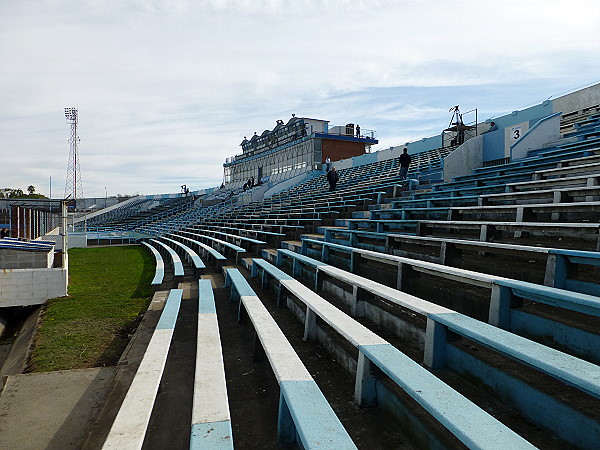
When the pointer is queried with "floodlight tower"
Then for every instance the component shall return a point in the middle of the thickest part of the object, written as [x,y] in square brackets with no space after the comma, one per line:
[73,186]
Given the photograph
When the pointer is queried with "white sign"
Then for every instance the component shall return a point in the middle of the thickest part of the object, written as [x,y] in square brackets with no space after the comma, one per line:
[516,132]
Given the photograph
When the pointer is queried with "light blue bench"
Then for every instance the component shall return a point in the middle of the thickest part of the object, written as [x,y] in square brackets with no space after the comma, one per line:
[455,412]
[503,292]
[563,260]
[190,254]
[559,262]
[500,300]
[211,421]
[510,289]
[256,243]
[222,245]
[304,413]
[175,259]
[159,272]
[129,427]
[205,249]
[566,368]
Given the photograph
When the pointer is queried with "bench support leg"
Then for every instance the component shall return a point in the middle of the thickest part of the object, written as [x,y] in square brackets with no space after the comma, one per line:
[325,254]
[280,295]
[556,271]
[449,254]
[358,306]
[264,281]
[435,345]
[286,429]
[500,303]
[310,325]
[402,276]
[365,392]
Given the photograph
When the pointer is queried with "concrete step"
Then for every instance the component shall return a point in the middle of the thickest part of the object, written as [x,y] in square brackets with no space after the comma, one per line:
[322,229]
[342,222]
[269,254]
[294,246]
[318,237]
[246,263]
[360,215]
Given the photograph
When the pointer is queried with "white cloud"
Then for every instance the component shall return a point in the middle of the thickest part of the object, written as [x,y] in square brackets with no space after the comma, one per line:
[167,90]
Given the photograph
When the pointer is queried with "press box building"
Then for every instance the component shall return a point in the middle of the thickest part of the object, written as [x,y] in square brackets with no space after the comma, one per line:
[300,145]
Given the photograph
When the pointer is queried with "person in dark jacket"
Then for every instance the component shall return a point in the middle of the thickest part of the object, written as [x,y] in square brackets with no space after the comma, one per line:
[404,163]
[332,178]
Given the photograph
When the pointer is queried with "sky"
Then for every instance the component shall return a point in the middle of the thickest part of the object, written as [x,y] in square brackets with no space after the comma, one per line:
[166,90]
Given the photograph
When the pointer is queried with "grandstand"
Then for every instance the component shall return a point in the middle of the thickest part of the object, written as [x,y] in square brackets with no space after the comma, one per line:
[451,312]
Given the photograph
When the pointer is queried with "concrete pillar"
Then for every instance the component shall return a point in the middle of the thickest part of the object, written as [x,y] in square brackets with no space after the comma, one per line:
[310,325]
[500,304]
[435,345]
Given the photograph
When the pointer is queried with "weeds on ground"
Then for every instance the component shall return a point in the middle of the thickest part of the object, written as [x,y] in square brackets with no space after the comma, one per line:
[109,287]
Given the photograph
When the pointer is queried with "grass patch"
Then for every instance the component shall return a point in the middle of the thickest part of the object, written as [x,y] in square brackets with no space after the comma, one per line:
[109,287]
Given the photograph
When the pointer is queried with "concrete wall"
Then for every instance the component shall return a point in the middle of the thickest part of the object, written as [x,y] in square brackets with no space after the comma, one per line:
[25,259]
[466,157]
[539,135]
[574,101]
[24,287]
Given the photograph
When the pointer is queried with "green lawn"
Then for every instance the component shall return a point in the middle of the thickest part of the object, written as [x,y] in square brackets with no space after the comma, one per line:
[109,287]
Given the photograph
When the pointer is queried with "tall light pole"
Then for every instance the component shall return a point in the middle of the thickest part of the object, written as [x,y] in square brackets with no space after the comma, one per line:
[105,196]
[73,185]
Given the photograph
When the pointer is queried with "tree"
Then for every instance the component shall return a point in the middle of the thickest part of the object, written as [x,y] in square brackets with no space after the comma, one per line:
[31,189]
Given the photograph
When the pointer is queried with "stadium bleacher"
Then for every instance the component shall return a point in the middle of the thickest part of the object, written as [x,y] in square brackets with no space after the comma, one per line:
[489,281]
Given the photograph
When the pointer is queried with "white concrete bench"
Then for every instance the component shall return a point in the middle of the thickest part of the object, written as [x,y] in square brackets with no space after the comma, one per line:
[566,368]
[455,412]
[588,193]
[205,249]
[503,292]
[222,246]
[590,168]
[211,421]
[583,180]
[525,213]
[303,410]
[175,259]
[129,428]
[255,244]
[189,254]
[488,228]
[159,272]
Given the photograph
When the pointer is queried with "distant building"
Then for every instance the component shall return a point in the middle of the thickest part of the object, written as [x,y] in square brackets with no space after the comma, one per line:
[300,145]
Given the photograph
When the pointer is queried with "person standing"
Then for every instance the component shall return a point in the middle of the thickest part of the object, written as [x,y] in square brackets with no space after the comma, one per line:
[332,178]
[404,163]
[328,163]
[357,131]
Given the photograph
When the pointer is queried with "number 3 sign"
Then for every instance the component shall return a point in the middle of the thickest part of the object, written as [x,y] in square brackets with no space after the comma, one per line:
[516,132]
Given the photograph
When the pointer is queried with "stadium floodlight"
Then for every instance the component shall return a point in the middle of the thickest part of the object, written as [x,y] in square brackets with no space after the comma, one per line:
[73,185]
[71,114]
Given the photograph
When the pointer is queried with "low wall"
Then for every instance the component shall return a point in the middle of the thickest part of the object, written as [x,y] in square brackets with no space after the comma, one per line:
[539,135]
[25,259]
[465,158]
[25,287]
